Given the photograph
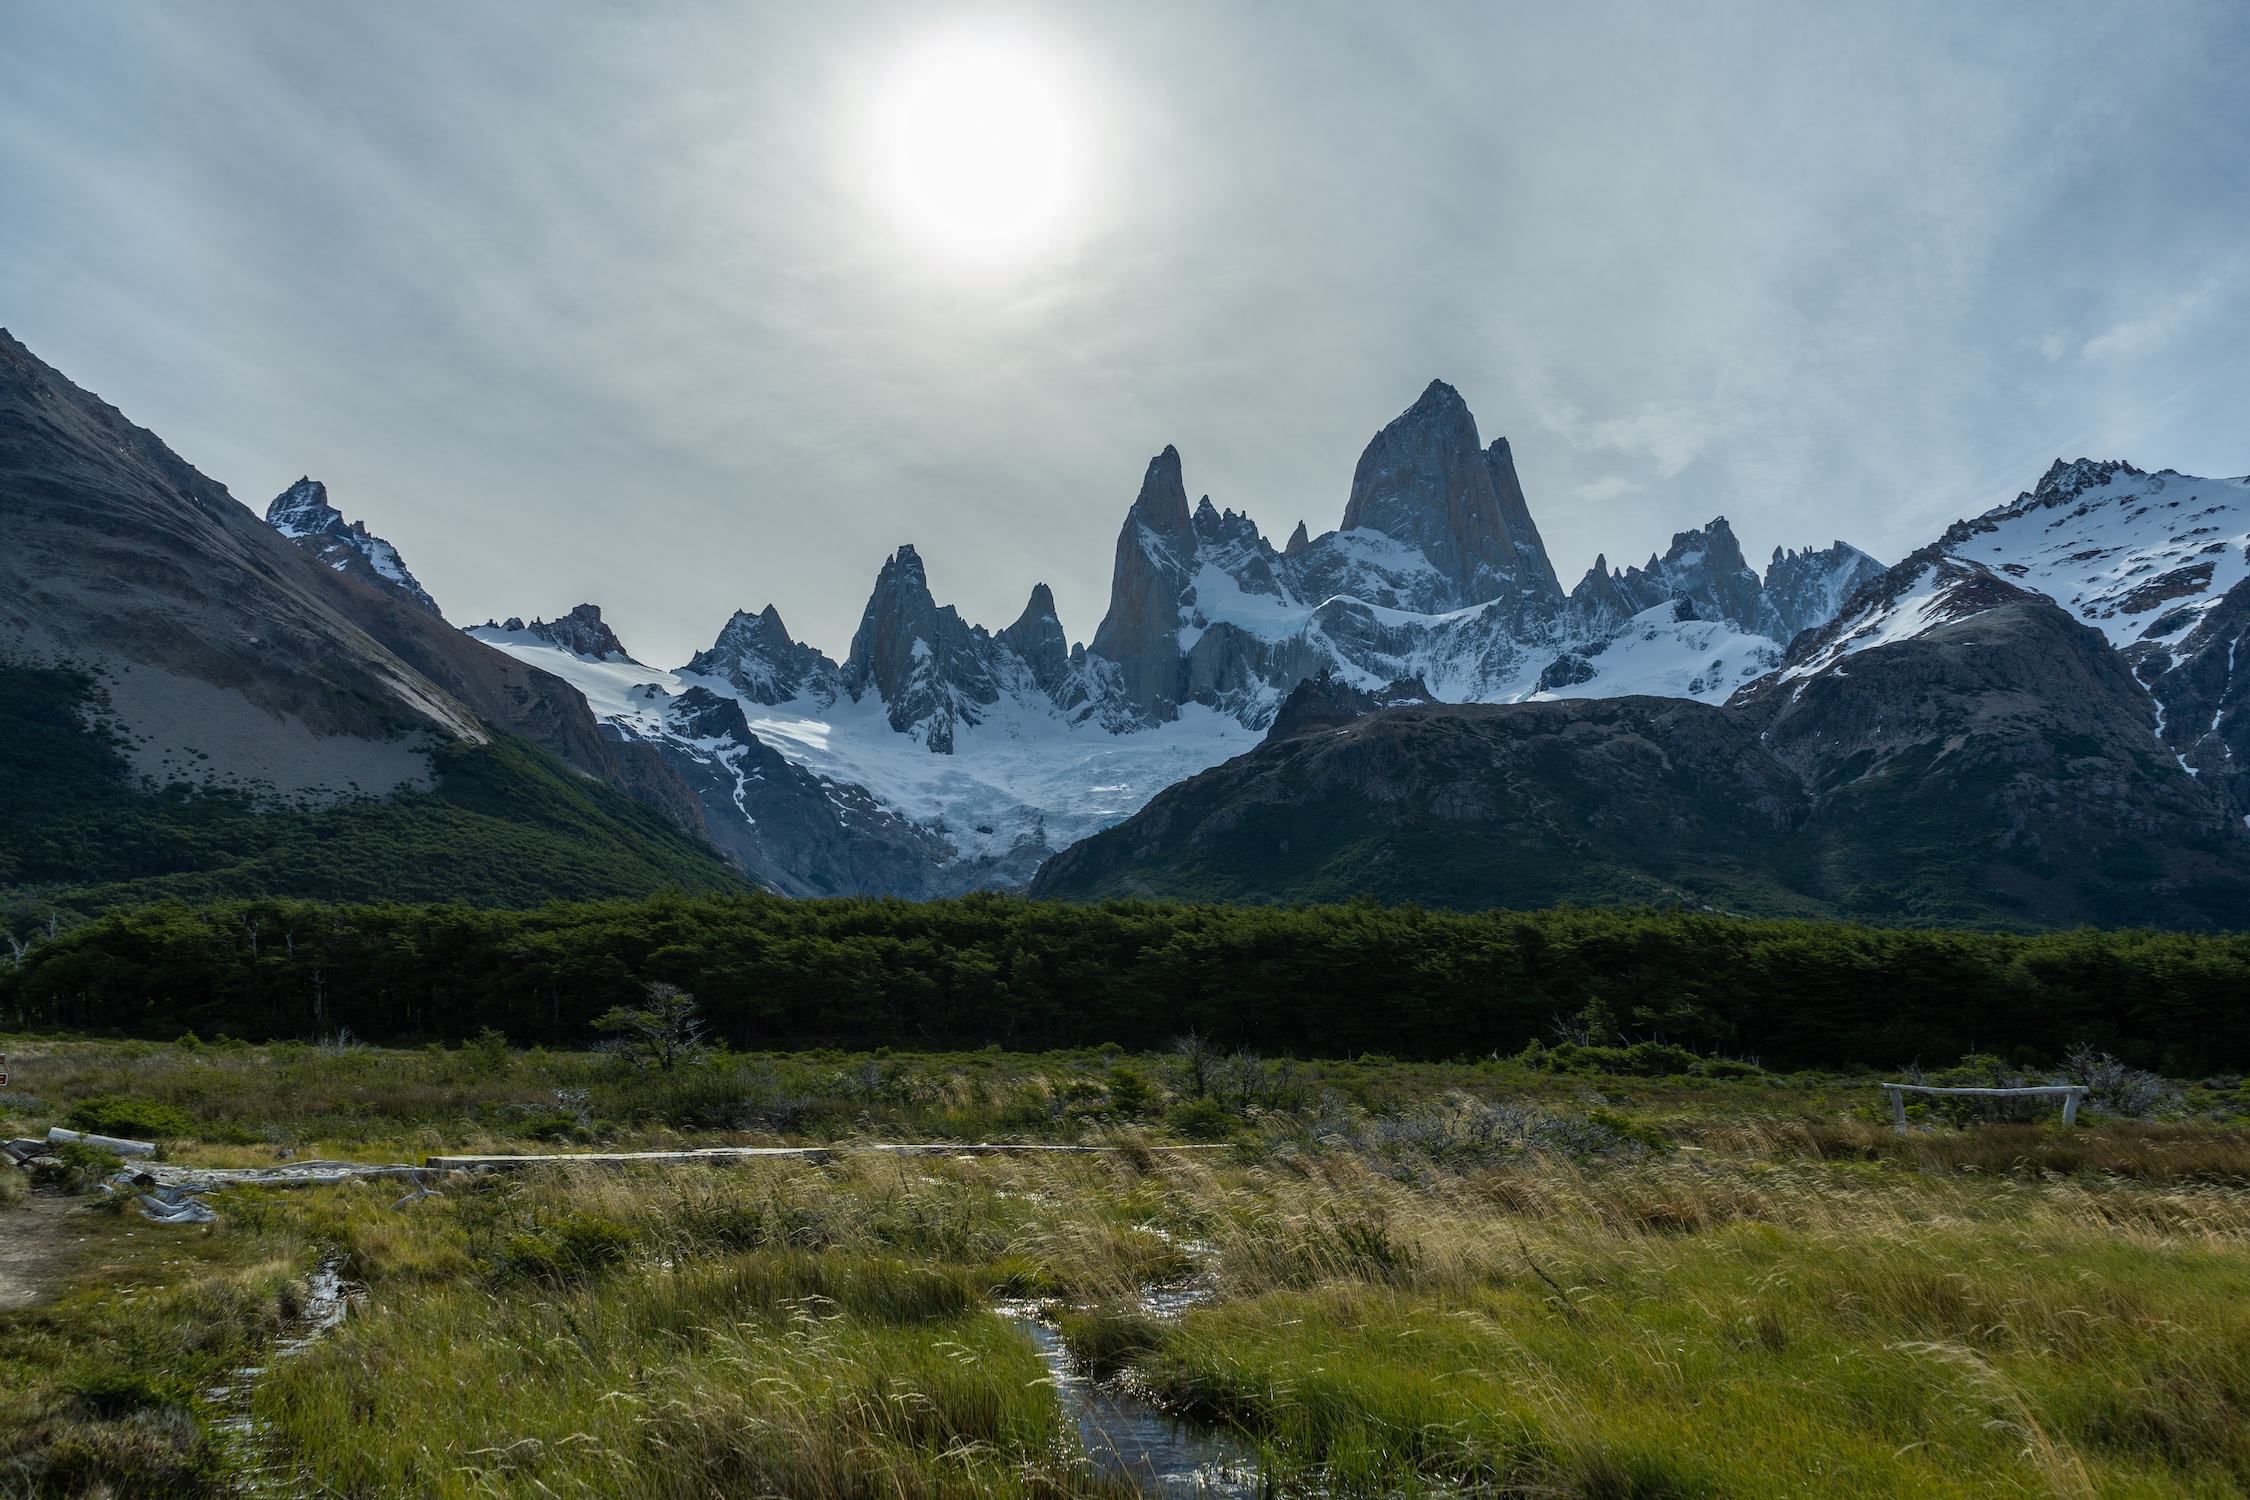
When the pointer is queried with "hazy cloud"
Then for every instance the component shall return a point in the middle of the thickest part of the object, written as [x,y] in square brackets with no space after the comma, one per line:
[598,302]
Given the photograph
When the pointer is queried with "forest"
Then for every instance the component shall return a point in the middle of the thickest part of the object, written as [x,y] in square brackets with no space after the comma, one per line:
[1305,981]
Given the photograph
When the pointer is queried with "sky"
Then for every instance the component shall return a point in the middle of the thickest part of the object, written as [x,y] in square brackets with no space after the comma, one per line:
[688,308]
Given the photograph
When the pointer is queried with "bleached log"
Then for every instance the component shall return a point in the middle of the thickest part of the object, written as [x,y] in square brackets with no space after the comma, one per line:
[2072,1094]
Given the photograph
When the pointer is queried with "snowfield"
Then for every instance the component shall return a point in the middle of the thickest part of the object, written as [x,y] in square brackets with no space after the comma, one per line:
[1024,772]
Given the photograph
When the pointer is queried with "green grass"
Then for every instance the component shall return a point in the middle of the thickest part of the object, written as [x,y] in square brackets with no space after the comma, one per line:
[1399,1279]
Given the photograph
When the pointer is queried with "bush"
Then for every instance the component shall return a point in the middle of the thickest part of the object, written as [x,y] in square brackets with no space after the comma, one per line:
[1129,1092]
[576,1247]
[133,1119]
[1646,1059]
[1203,1120]
[1629,1129]
[83,1167]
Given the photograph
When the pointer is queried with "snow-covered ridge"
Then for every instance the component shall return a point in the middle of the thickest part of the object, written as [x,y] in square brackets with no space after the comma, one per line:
[2141,557]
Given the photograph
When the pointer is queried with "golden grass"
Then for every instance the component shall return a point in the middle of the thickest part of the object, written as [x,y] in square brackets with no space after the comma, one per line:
[1793,1301]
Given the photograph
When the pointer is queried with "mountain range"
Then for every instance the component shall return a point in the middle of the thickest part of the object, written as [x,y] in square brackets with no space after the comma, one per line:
[2033,720]
[957,757]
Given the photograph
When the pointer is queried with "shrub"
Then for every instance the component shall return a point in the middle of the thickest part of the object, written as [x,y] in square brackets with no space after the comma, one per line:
[83,1167]
[133,1119]
[575,1247]
[1129,1092]
[1203,1120]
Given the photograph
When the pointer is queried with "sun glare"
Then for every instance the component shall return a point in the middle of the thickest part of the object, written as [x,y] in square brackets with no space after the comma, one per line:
[977,154]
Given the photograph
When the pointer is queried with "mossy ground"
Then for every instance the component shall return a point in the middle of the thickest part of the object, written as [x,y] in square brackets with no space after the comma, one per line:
[1401,1279]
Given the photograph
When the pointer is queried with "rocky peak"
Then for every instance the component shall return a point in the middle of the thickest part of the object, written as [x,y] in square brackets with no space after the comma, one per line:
[1600,603]
[1155,561]
[1806,589]
[1037,637]
[1162,505]
[700,714]
[1298,541]
[1707,566]
[2063,483]
[302,514]
[756,654]
[303,510]
[1426,481]
[921,659]
[582,633]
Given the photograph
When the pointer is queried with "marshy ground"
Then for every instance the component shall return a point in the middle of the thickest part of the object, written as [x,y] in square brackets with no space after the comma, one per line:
[1485,1278]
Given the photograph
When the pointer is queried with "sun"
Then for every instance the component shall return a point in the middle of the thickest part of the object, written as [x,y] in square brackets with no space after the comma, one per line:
[977,151]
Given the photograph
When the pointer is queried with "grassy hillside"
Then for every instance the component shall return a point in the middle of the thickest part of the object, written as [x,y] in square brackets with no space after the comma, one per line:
[508,825]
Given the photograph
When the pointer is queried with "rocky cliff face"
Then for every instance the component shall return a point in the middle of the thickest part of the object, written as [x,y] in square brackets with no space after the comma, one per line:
[1424,481]
[2201,683]
[1437,573]
[790,830]
[302,514]
[757,656]
[1155,561]
[1805,590]
[930,668]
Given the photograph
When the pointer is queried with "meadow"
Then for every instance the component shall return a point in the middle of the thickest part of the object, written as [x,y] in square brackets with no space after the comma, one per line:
[1582,1271]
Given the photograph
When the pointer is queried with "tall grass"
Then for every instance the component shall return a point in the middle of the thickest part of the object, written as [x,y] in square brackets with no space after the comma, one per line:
[1694,1292]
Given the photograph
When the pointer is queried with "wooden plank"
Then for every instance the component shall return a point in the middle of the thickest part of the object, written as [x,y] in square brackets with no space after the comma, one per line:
[720,1155]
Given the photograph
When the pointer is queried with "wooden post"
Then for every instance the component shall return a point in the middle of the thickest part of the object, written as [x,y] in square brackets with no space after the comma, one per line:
[2070,1106]
[1898,1105]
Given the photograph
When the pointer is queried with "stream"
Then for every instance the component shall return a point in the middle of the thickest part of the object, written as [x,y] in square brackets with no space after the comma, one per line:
[1127,1438]
[327,1299]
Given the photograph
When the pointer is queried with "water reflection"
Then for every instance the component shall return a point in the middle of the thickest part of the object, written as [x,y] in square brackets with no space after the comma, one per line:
[1127,1438]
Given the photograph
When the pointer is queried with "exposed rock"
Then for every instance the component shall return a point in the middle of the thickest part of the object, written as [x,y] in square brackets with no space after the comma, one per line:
[1155,560]
[121,556]
[1424,481]
[302,514]
[756,654]
[1951,749]
[583,635]
[794,832]
[930,669]
[1804,590]
[2201,682]
[1037,638]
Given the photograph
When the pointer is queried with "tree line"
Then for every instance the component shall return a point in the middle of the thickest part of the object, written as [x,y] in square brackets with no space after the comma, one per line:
[1309,981]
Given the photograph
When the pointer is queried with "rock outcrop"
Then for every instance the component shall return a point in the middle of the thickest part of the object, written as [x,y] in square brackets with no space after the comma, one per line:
[302,514]
[1424,481]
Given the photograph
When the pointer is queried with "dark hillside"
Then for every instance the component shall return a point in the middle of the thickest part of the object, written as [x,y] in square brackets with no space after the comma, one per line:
[506,825]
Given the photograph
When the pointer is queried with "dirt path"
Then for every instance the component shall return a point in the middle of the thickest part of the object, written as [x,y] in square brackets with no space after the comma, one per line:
[34,1241]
